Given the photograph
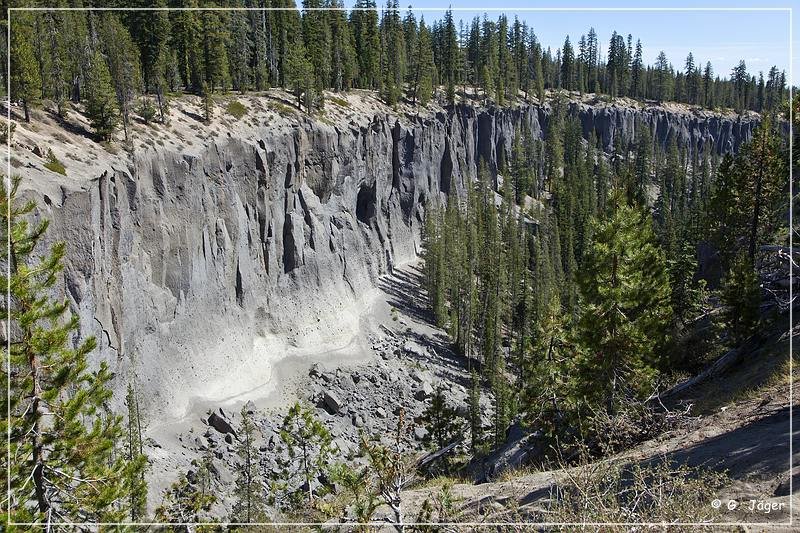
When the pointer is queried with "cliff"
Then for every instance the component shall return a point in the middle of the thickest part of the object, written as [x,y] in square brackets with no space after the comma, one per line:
[206,252]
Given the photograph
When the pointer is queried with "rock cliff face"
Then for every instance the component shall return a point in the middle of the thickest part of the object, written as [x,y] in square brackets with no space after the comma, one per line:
[197,269]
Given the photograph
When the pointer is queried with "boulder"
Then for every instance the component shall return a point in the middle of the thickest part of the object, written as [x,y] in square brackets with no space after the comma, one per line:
[331,402]
[220,424]
[420,433]
[415,349]
[520,448]
[423,392]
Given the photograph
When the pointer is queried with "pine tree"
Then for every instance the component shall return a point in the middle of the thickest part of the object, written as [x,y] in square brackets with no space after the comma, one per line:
[306,439]
[422,87]
[136,484]
[625,307]
[366,37]
[208,103]
[741,296]
[394,60]
[343,60]
[450,53]
[123,64]
[188,501]
[546,383]
[300,76]
[567,65]
[213,25]
[239,51]
[61,433]
[441,421]
[475,416]
[101,102]
[317,40]
[249,488]
[391,469]
[26,82]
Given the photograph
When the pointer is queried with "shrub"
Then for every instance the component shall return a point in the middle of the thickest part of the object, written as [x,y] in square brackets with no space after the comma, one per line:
[341,102]
[146,110]
[651,491]
[236,108]
[6,131]
[54,164]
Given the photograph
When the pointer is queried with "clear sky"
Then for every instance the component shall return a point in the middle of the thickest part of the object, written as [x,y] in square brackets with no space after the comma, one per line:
[761,38]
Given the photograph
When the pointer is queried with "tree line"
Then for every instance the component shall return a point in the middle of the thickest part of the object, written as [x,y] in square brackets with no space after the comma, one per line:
[575,291]
[109,60]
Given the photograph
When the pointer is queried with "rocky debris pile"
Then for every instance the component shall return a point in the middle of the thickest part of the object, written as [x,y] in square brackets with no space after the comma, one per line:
[365,399]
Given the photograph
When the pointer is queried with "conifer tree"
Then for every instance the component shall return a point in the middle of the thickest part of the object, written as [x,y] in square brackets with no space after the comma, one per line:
[208,103]
[101,102]
[394,60]
[249,488]
[123,64]
[300,76]
[741,296]
[625,307]
[547,372]
[214,28]
[137,486]
[441,421]
[450,56]
[391,468]
[188,501]
[475,418]
[317,40]
[26,82]
[343,60]
[61,433]
[536,68]
[422,88]
[306,439]
[366,38]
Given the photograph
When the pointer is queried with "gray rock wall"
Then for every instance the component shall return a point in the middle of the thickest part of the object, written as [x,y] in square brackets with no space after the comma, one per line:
[196,271]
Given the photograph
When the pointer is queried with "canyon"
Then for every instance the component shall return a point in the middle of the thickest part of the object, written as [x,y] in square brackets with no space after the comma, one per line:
[204,253]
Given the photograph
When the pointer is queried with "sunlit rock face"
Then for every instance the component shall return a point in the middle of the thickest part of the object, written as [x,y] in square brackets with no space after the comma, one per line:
[196,271]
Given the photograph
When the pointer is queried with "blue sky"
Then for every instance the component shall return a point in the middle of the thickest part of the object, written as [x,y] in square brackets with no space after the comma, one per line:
[760,38]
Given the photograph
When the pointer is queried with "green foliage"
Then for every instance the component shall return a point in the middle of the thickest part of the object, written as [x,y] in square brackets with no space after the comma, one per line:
[249,489]
[25,79]
[208,104]
[146,110]
[300,76]
[390,469]
[7,131]
[626,313]
[101,102]
[361,493]
[655,491]
[307,442]
[741,296]
[54,164]
[475,423]
[189,500]
[747,205]
[61,431]
[548,379]
[137,486]
[236,109]
[442,422]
